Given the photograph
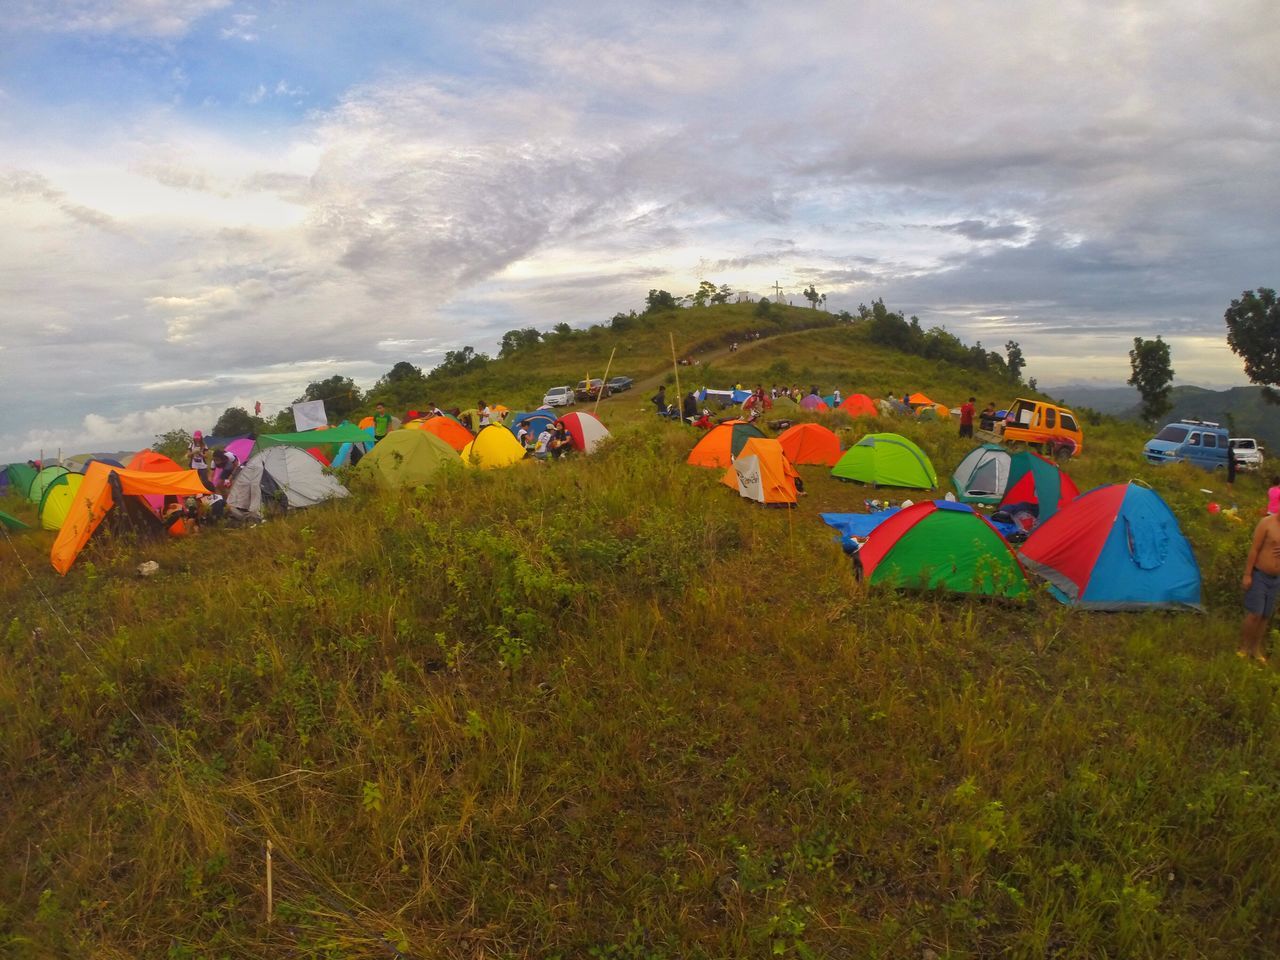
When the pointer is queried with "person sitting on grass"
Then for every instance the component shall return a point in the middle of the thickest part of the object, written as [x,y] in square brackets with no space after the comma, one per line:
[689,409]
[1261,584]
[542,446]
[560,443]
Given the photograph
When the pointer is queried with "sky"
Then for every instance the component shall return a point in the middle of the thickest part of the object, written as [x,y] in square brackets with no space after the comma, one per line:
[209,203]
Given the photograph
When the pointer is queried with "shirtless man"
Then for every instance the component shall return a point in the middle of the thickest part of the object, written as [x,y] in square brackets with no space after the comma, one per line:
[1261,587]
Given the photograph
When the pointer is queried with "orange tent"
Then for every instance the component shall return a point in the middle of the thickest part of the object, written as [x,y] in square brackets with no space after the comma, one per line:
[722,443]
[152,462]
[446,428]
[95,499]
[859,405]
[810,443]
[763,473]
[919,399]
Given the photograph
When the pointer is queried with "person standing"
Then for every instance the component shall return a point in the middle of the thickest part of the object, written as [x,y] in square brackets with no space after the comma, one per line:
[198,457]
[1261,584]
[689,411]
[381,422]
[659,400]
[966,419]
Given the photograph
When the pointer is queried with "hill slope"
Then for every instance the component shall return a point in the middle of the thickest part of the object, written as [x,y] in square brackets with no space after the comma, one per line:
[607,708]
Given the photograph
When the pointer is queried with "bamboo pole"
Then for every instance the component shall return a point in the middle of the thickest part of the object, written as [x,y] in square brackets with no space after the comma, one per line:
[607,367]
[676,367]
[270,891]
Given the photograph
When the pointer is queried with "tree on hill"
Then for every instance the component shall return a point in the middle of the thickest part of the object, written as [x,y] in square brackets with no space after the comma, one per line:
[402,372]
[458,362]
[516,340]
[723,294]
[1014,360]
[812,295]
[659,300]
[1152,375]
[887,327]
[1253,333]
[402,385]
[763,309]
[236,422]
[173,445]
[340,394]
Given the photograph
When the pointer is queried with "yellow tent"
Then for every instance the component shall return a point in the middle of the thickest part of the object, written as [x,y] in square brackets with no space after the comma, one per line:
[494,446]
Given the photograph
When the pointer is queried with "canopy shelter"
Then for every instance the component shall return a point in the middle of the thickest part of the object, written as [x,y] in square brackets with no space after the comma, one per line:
[762,472]
[494,446]
[282,474]
[722,443]
[101,490]
[345,433]
[447,429]
[58,499]
[810,443]
[1117,547]
[887,460]
[1033,479]
[585,430]
[407,458]
[859,405]
[937,544]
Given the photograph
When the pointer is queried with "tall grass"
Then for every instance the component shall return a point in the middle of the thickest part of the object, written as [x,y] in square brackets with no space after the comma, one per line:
[607,708]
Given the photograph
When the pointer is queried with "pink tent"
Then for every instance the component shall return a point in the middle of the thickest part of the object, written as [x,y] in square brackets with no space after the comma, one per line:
[814,402]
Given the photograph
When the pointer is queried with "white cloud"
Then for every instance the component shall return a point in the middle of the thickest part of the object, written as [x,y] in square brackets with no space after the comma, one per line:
[145,18]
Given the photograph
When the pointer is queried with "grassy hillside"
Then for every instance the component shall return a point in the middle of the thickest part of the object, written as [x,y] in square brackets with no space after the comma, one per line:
[607,708]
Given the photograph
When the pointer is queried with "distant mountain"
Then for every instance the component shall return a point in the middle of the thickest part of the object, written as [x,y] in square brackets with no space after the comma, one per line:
[1240,409]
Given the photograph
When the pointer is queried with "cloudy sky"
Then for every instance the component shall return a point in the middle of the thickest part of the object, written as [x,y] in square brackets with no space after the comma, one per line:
[212,202]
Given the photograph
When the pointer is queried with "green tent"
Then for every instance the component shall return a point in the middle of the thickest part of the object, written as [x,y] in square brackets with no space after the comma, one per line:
[937,545]
[405,458]
[20,477]
[42,480]
[886,460]
[13,523]
[785,403]
[335,436]
[58,499]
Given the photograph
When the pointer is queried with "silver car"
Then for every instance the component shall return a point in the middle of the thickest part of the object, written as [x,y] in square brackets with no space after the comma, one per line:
[558,397]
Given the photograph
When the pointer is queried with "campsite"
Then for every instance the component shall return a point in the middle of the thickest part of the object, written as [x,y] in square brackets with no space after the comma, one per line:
[640,701]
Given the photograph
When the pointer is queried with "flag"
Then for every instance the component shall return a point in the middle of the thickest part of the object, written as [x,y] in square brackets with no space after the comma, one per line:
[257,408]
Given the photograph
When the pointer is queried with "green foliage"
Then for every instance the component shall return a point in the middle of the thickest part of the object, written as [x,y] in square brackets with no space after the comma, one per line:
[456,363]
[340,394]
[173,445]
[1152,375]
[1253,333]
[237,422]
[659,301]
[515,340]
[1014,361]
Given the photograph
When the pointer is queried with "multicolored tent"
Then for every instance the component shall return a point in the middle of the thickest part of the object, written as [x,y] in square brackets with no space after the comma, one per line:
[722,443]
[407,458]
[150,461]
[859,405]
[585,430]
[983,475]
[813,403]
[58,499]
[762,472]
[494,446]
[446,428]
[887,460]
[1117,547]
[937,544]
[1035,479]
[810,443]
[96,498]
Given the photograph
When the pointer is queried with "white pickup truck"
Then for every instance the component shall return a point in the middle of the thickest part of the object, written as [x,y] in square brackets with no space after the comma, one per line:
[1248,452]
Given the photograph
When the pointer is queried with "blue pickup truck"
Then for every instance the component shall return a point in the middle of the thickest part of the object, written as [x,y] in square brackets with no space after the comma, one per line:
[1199,442]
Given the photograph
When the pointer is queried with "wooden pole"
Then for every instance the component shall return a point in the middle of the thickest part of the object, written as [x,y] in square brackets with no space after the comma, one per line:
[270,892]
[676,367]
[607,367]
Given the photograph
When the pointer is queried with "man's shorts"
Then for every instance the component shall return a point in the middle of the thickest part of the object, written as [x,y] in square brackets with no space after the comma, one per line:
[1260,598]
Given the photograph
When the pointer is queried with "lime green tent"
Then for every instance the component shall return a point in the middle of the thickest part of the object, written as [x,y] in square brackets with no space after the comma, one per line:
[45,477]
[347,433]
[13,523]
[20,477]
[406,458]
[57,500]
[887,460]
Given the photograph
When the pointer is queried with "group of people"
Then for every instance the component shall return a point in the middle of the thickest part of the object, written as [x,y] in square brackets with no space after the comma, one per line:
[551,442]
[218,469]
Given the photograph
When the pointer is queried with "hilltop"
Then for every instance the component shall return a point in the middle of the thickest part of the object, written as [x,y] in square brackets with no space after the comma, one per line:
[606,708]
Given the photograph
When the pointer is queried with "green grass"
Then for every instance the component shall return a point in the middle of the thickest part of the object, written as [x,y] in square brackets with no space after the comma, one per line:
[607,708]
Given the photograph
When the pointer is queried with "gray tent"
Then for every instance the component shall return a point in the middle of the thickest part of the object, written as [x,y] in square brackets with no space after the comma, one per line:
[286,474]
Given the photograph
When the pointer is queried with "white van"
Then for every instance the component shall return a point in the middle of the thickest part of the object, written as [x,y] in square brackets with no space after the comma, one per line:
[1248,452]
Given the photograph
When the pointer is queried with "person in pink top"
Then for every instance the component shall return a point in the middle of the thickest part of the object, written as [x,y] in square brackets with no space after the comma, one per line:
[1273,496]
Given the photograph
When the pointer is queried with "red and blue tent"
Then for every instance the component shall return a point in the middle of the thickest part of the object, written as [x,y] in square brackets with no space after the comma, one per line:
[1117,547]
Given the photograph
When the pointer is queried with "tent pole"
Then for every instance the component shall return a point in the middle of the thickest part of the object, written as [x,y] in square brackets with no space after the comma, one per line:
[607,367]
[676,367]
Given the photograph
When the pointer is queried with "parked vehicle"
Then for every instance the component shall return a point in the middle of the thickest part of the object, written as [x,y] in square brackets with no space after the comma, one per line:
[590,389]
[1248,453]
[1043,426]
[558,397]
[618,384]
[1199,442]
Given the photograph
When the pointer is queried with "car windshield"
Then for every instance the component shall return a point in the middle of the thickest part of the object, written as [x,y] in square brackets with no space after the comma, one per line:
[1172,434]
[1242,444]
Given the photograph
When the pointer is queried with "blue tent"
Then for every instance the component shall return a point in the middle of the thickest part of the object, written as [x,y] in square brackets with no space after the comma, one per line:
[1118,547]
[537,420]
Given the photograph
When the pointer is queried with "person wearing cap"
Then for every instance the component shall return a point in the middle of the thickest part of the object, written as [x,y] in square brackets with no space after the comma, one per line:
[198,457]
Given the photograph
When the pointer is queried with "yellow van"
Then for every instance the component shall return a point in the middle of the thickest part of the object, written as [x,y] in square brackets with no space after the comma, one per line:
[1046,427]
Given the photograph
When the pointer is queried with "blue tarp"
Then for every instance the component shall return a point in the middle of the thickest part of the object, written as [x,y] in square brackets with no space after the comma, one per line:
[856,524]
